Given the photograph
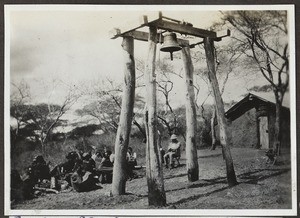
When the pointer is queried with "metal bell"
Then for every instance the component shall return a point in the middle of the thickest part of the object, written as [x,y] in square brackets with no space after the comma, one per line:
[170,44]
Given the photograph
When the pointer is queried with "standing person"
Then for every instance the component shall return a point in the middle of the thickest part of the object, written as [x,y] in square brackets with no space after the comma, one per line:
[173,151]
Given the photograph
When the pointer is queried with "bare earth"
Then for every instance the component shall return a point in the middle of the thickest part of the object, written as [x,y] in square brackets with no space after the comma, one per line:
[261,186]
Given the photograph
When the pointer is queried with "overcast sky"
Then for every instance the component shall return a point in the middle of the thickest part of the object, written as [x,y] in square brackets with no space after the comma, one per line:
[73,46]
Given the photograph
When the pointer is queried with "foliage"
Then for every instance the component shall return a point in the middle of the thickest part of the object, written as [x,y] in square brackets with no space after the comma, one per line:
[36,120]
[263,35]
[83,131]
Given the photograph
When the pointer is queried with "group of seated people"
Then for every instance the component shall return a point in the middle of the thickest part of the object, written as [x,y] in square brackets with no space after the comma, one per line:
[85,171]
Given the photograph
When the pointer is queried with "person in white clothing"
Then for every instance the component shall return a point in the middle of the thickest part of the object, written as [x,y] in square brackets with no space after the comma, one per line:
[173,150]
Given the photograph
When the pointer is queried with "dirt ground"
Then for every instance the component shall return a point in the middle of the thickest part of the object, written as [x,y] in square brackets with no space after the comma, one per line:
[261,186]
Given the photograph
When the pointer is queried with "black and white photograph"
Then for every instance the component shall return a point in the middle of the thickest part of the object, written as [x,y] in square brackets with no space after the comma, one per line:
[150,110]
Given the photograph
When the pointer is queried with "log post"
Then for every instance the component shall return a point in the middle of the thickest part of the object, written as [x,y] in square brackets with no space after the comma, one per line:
[124,127]
[213,130]
[191,122]
[257,129]
[156,192]
[224,133]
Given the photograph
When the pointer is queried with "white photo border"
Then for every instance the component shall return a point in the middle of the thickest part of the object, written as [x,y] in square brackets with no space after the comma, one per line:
[152,212]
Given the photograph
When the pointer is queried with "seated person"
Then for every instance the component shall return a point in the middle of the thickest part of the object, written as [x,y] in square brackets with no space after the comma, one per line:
[97,157]
[40,169]
[272,156]
[88,164]
[173,151]
[131,162]
[131,157]
[104,170]
[106,159]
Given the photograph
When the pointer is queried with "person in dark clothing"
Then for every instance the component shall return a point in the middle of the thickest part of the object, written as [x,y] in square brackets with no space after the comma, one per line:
[131,163]
[88,164]
[106,160]
[105,168]
[20,190]
[64,170]
[39,169]
[84,178]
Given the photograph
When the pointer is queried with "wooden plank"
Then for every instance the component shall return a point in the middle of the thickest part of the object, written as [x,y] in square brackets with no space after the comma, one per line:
[157,21]
[144,20]
[221,34]
[183,29]
[144,36]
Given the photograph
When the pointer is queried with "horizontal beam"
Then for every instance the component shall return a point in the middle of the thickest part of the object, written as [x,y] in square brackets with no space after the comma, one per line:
[133,25]
[183,29]
[221,34]
[158,21]
[143,36]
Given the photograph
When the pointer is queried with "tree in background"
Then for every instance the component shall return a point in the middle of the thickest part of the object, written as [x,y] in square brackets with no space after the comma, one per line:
[41,118]
[105,106]
[263,35]
[19,99]
[47,116]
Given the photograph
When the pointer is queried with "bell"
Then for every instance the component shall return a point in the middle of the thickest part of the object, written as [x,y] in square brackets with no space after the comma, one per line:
[170,44]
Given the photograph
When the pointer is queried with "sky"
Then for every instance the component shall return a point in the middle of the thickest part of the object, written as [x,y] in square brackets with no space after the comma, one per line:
[53,49]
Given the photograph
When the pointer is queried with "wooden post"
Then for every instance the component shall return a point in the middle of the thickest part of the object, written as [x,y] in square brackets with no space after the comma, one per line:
[257,129]
[213,130]
[191,122]
[122,138]
[156,192]
[224,134]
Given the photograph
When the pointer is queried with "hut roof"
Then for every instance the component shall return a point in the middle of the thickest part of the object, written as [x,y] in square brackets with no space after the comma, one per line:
[252,101]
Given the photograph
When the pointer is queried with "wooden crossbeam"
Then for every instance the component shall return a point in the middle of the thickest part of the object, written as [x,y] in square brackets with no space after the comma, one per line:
[134,25]
[158,22]
[143,36]
[221,34]
[183,29]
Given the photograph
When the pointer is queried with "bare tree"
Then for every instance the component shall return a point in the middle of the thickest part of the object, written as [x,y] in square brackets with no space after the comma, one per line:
[20,96]
[264,37]
[48,116]
[106,106]
[105,111]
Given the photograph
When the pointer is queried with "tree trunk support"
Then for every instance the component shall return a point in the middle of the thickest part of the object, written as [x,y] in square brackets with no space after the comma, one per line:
[122,137]
[224,133]
[191,122]
[278,129]
[213,130]
[156,192]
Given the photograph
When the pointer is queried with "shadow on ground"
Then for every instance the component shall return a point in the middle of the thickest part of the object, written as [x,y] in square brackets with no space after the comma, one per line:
[252,177]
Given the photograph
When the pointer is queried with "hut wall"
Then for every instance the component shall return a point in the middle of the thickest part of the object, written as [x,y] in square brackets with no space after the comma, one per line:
[243,130]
